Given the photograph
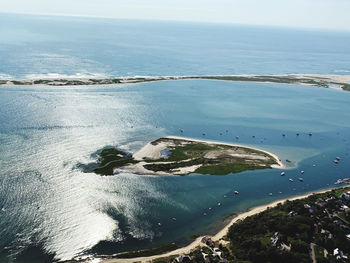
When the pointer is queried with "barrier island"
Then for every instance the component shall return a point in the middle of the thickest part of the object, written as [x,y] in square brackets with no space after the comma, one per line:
[182,156]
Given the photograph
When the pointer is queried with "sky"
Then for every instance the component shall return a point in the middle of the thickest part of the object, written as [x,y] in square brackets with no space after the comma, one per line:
[322,14]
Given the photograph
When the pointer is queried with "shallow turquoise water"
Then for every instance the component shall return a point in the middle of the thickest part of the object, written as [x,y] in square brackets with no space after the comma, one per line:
[45,131]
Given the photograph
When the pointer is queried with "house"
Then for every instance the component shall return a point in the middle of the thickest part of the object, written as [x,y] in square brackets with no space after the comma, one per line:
[344,207]
[217,252]
[184,259]
[275,240]
[205,257]
[339,254]
[345,196]
[292,213]
[330,199]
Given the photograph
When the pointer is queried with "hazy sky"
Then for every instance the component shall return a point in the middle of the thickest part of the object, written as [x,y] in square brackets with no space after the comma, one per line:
[328,14]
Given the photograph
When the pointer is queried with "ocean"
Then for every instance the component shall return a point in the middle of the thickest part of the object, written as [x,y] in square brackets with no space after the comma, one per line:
[50,210]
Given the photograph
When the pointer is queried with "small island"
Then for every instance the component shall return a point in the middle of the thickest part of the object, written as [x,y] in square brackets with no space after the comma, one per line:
[182,156]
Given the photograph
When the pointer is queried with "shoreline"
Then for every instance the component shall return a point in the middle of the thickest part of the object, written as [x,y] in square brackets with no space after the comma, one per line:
[280,165]
[151,151]
[320,80]
[197,242]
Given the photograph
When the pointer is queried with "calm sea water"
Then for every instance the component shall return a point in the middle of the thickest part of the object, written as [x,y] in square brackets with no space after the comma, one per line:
[52,210]
[61,46]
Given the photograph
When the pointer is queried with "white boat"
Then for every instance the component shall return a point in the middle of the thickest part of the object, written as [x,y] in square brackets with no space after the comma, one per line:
[291,180]
[283,174]
[302,172]
[236,192]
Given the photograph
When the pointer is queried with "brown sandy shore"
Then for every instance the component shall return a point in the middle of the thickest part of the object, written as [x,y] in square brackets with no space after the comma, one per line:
[341,82]
[187,249]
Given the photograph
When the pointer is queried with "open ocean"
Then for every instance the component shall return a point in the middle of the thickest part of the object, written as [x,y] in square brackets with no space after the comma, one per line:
[50,210]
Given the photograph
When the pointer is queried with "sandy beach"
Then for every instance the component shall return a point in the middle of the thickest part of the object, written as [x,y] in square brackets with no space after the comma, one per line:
[187,249]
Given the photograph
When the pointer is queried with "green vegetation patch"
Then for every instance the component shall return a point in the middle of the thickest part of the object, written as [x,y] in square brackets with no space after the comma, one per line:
[108,159]
[346,87]
[298,224]
[227,168]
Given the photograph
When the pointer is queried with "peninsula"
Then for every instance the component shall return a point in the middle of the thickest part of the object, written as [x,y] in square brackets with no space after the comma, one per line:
[182,156]
[341,82]
[307,228]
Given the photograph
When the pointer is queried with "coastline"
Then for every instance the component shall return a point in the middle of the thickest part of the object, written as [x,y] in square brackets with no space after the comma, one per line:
[280,165]
[187,249]
[337,82]
[151,151]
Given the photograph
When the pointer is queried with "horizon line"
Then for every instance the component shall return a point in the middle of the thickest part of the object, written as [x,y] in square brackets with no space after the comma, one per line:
[179,21]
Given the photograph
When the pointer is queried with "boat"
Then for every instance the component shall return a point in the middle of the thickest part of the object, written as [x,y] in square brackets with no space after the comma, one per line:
[219,204]
[336,161]
[174,219]
[302,172]
[270,194]
[291,180]
[283,174]
[159,224]
[337,158]
[236,192]
[301,179]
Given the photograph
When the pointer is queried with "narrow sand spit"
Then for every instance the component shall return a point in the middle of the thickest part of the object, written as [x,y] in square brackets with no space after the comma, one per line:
[68,81]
